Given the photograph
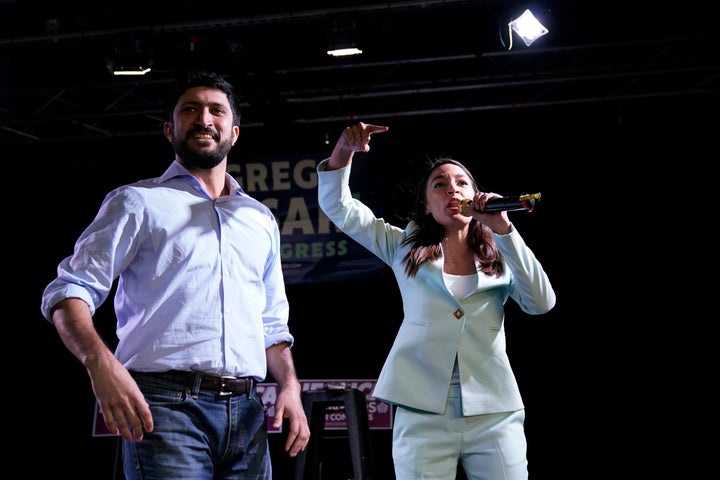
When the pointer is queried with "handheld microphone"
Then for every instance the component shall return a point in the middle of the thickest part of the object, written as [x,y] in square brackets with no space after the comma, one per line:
[522,202]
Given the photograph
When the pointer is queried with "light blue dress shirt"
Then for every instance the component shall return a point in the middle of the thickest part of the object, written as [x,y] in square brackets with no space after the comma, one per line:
[200,284]
[437,327]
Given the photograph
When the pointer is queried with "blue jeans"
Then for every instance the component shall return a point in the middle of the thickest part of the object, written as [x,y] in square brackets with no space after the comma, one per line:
[199,435]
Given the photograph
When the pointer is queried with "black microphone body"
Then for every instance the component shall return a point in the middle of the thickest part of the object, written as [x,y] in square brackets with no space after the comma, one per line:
[508,204]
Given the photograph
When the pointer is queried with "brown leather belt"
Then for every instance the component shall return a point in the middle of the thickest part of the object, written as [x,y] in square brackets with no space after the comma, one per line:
[224,385]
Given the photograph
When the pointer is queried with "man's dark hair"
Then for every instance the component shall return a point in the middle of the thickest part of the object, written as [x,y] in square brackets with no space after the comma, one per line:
[192,79]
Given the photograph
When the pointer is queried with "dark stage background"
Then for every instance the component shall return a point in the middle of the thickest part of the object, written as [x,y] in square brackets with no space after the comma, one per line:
[592,231]
[614,228]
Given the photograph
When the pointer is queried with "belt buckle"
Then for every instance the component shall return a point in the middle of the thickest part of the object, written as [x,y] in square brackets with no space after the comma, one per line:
[223,384]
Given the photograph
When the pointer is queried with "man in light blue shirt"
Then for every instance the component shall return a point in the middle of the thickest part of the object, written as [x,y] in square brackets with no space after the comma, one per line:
[202,314]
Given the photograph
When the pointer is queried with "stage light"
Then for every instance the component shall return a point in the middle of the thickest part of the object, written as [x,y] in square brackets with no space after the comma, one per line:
[130,70]
[527,27]
[131,56]
[342,38]
[343,52]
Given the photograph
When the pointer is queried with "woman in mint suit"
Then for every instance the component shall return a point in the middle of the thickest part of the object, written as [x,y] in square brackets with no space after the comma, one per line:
[447,372]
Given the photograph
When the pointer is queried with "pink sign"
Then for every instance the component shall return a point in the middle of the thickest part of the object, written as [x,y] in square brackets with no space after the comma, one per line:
[379,412]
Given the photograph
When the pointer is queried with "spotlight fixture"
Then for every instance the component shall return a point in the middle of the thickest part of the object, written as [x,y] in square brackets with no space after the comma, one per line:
[527,27]
[131,56]
[344,52]
[130,70]
[342,38]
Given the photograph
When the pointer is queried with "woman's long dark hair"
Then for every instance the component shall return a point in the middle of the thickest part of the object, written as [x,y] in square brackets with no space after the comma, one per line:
[425,241]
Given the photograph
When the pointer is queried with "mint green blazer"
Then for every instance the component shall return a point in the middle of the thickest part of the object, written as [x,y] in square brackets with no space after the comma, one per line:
[437,327]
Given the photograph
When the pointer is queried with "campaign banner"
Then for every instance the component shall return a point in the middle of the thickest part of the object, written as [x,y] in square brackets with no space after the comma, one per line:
[380,414]
[312,248]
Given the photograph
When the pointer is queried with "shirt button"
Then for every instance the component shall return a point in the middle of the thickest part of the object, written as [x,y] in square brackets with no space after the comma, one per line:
[458,313]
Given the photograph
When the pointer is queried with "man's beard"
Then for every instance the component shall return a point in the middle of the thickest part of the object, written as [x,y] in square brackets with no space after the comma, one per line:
[202,160]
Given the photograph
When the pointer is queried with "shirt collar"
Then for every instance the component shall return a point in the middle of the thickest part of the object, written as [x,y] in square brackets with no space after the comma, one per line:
[177,170]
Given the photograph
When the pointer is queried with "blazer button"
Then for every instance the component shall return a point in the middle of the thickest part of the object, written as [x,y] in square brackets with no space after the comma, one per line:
[458,313]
